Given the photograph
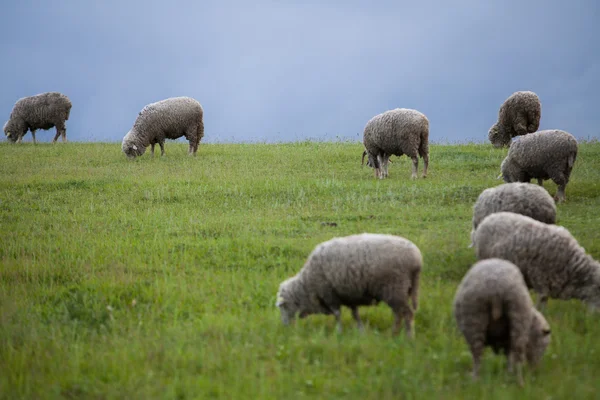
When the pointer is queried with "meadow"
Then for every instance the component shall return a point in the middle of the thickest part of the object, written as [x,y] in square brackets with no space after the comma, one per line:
[156,278]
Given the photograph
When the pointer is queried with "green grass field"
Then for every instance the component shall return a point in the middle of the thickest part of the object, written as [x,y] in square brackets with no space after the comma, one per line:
[156,278]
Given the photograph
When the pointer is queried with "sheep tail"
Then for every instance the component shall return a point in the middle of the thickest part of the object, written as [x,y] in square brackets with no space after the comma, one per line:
[414,293]
[496,309]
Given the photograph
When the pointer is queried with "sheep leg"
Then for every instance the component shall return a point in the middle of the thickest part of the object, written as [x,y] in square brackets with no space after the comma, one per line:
[20,139]
[515,362]
[385,159]
[415,167]
[33,135]
[338,320]
[540,182]
[152,149]
[560,193]
[561,180]
[476,353]
[357,319]
[379,172]
[403,312]
[56,136]
[425,165]
[162,148]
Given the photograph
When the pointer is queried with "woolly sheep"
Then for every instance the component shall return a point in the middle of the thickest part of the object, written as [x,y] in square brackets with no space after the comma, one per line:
[521,198]
[492,308]
[519,115]
[548,154]
[552,262]
[354,271]
[396,132]
[42,111]
[166,119]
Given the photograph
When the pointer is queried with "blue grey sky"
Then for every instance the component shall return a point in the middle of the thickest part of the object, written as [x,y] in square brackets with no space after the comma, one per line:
[294,70]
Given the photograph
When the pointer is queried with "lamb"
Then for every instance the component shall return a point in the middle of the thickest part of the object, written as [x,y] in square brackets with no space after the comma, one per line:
[492,308]
[548,154]
[521,198]
[357,270]
[171,118]
[552,262]
[396,132]
[519,115]
[42,111]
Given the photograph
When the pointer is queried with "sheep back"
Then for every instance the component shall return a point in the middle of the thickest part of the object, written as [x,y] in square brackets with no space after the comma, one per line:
[518,115]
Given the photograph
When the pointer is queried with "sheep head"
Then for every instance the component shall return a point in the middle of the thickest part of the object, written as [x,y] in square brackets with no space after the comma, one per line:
[497,137]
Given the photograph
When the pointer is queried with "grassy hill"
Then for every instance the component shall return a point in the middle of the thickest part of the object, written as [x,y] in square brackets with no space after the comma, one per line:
[156,278]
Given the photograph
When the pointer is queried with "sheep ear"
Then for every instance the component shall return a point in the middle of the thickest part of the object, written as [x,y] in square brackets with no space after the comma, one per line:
[499,176]
[546,331]
[280,301]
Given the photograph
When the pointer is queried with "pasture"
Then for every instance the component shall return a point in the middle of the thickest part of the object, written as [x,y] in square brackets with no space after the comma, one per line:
[156,278]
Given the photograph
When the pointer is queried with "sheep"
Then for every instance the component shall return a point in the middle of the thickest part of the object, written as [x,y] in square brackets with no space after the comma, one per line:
[171,118]
[521,198]
[42,111]
[548,154]
[552,262]
[519,115]
[353,271]
[492,308]
[396,132]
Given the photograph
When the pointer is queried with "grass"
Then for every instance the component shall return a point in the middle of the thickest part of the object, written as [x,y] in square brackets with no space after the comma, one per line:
[157,278]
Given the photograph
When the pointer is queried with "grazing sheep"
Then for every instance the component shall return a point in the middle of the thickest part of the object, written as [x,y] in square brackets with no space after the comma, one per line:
[492,308]
[354,271]
[42,111]
[552,262]
[519,115]
[521,198]
[542,155]
[167,119]
[396,132]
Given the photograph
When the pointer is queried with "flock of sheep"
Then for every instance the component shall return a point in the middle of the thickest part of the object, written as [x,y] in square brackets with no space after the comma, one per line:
[514,235]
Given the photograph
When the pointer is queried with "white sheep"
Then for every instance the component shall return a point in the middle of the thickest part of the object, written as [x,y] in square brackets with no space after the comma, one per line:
[42,111]
[492,308]
[552,262]
[520,114]
[548,154]
[396,132]
[166,119]
[521,198]
[353,271]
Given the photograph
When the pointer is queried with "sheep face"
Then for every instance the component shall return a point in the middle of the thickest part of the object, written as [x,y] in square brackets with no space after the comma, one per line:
[371,162]
[509,171]
[496,136]
[131,148]
[11,131]
[293,300]
[285,302]
[539,338]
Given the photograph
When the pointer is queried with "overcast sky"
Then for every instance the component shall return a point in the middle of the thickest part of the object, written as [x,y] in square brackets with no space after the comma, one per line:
[295,70]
